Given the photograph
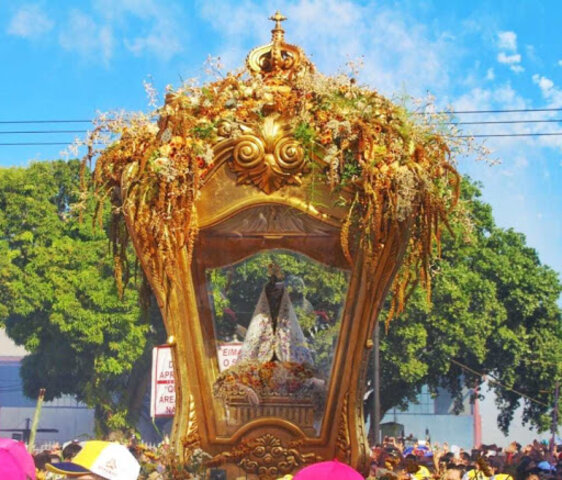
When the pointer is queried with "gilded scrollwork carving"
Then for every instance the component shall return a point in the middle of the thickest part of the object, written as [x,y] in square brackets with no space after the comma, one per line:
[266,456]
[266,155]
[192,439]
[343,441]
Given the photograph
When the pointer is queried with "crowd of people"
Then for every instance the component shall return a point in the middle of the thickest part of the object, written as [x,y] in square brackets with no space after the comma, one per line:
[395,460]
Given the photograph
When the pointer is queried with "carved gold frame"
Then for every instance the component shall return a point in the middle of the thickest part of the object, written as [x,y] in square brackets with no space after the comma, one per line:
[241,180]
[343,433]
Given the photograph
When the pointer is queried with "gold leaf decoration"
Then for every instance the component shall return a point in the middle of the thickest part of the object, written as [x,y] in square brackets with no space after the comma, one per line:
[266,155]
[266,456]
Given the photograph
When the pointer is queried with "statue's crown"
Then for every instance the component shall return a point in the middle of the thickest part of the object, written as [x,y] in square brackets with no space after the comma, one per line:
[277,59]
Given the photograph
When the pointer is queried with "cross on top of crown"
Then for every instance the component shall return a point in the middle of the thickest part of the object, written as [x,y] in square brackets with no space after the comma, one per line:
[278,18]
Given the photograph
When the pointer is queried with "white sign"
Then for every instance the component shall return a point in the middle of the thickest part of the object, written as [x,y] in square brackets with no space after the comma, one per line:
[163,391]
[228,354]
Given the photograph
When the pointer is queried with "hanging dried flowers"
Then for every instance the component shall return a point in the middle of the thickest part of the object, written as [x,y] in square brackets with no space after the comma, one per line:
[383,165]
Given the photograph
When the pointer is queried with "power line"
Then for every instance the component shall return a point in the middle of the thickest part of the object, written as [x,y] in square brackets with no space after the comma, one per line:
[443,112]
[515,110]
[7,122]
[479,122]
[488,122]
[486,135]
[491,379]
[10,144]
[19,132]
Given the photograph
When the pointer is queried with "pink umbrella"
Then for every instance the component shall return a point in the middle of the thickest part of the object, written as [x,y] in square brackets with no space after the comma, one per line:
[15,461]
[328,470]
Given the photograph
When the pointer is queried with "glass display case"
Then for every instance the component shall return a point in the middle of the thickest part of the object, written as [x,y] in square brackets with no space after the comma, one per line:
[276,317]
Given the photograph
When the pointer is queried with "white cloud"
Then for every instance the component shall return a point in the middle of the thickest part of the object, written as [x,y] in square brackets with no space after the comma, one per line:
[509,59]
[512,60]
[507,40]
[545,84]
[85,36]
[560,63]
[162,41]
[161,33]
[29,22]
[490,75]
[398,52]
[553,94]
[531,54]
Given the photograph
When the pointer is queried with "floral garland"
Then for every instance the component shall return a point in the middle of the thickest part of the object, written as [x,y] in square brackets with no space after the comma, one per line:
[384,167]
[268,380]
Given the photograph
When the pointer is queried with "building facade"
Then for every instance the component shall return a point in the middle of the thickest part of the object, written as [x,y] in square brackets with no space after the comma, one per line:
[61,420]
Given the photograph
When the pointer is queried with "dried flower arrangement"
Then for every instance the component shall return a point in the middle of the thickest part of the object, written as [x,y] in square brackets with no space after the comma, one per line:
[382,164]
[268,380]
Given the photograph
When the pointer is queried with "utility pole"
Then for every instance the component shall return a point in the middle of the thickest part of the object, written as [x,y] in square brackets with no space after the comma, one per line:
[376,413]
[554,426]
[31,444]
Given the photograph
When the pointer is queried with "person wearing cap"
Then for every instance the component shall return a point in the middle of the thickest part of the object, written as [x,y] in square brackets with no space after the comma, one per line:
[415,469]
[546,467]
[481,470]
[70,449]
[100,461]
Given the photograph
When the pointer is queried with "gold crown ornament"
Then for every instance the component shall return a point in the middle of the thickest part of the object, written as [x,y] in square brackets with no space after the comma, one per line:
[278,60]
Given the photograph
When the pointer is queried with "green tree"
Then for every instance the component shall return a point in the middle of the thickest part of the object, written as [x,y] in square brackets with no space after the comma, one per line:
[58,297]
[493,309]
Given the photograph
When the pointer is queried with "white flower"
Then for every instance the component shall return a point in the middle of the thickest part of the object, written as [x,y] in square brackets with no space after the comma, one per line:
[162,162]
[209,155]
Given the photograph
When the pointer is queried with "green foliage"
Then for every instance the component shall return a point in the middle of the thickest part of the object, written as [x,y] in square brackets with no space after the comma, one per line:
[58,296]
[494,309]
[305,134]
[351,169]
[204,130]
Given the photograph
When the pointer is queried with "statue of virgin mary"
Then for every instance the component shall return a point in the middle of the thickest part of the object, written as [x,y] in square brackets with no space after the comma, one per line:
[274,332]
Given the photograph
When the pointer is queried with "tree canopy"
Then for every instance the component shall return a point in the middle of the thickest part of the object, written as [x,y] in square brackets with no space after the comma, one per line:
[493,307]
[58,296]
[494,310]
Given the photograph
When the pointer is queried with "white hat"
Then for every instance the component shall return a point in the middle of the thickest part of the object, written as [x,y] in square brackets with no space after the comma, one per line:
[111,461]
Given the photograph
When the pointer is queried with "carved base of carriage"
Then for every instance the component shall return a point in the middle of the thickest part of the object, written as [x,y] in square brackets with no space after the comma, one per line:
[263,457]
[302,413]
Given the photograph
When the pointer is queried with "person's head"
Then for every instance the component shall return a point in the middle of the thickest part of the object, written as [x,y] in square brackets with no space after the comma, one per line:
[448,457]
[99,460]
[464,459]
[496,464]
[70,451]
[452,473]
[401,472]
[388,476]
[483,466]
[42,459]
[533,474]
[411,464]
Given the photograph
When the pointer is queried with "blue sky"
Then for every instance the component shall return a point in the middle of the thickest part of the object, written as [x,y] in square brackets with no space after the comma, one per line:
[69,59]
